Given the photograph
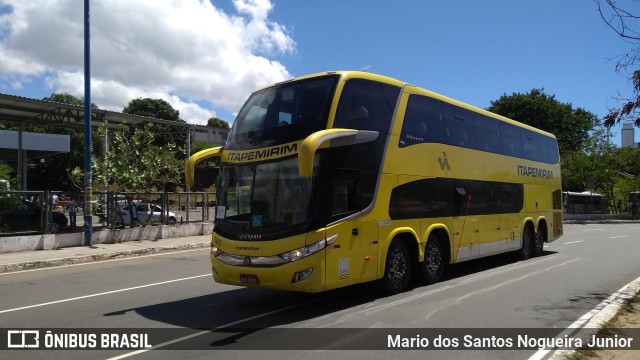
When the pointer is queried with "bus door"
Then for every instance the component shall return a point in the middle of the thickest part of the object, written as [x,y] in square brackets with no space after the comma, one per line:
[344,262]
[465,227]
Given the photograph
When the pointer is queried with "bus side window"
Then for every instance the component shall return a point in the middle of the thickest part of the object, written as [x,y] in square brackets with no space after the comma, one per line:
[530,147]
[459,127]
[511,140]
[422,121]
[366,105]
[344,197]
[488,132]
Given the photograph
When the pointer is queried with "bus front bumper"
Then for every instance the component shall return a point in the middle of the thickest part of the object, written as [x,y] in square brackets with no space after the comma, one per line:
[304,275]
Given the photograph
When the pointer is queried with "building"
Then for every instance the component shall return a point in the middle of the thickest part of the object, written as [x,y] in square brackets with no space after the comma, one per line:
[208,134]
[628,136]
[19,146]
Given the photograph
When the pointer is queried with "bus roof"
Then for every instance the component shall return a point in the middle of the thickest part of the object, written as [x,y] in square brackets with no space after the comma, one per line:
[346,74]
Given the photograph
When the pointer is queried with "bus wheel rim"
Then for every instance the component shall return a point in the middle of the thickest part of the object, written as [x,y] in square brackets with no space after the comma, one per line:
[433,259]
[398,266]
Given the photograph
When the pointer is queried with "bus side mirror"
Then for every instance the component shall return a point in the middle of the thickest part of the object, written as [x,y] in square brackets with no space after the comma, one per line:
[189,169]
[338,137]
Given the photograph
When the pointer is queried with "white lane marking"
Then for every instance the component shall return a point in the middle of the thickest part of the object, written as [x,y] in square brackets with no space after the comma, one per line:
[167,343]
[100,261]
[573,242]
[595,318]
[619,236]
[101,294]
[592,229]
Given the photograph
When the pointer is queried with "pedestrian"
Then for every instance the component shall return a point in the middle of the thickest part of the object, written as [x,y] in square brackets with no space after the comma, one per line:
[54,201]
[73,206]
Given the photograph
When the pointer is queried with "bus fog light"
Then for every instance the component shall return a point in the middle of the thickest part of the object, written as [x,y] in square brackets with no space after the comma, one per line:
[301,275]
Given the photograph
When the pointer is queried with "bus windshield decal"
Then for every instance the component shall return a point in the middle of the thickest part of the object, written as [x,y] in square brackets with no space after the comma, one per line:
[269,153]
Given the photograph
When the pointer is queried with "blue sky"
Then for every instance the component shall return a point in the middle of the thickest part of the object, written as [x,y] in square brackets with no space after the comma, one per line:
[206,58]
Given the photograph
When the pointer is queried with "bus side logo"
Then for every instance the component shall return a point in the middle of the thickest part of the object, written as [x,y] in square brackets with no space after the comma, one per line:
[444,162]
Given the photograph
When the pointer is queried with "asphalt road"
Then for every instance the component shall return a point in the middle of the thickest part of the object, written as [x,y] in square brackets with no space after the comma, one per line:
[175,293]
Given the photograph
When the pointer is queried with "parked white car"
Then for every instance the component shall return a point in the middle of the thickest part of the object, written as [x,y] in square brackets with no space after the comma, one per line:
[142,212]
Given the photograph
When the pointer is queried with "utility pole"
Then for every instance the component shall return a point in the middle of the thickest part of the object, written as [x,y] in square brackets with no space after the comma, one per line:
[88,193]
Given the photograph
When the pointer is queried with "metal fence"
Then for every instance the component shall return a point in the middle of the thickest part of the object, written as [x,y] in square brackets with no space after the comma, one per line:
[42,212]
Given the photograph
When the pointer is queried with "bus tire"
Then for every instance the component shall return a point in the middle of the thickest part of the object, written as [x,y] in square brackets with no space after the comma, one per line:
[432,268]
[397,269]
[527,243]
[538,246]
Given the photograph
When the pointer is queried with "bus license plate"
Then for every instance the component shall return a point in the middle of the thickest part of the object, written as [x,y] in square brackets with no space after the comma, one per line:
[249,279]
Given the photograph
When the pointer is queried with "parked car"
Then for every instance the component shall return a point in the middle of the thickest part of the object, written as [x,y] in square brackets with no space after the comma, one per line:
[143,211]
[29,216]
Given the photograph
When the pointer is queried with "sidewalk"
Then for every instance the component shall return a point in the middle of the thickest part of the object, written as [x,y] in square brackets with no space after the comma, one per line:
[26,260]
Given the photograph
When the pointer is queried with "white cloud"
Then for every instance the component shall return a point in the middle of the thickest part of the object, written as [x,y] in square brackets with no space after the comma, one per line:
[187,52]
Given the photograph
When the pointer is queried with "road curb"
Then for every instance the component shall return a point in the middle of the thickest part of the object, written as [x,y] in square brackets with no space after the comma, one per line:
[39,264]
[601,314]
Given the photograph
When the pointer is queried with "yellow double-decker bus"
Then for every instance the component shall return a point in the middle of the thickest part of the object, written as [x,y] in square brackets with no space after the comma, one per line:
[340,178]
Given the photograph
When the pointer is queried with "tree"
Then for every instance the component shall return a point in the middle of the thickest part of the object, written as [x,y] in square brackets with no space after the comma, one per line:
[65,98]
[626,25]
[571,126]
[5,174]
[219,123]
[160,109]
[138,165]
[628,170]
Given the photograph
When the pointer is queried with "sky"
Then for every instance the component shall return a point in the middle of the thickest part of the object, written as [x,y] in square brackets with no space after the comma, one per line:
[206,57]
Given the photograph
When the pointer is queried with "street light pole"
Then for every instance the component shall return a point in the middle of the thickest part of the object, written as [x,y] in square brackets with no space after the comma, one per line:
[88,194]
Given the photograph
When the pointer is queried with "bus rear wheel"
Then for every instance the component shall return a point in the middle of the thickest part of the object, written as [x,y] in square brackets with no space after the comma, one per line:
[538,247]
[434,263]
[397,270]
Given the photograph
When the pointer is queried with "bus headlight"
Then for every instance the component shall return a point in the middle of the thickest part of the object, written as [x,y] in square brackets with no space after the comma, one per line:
[305,251]
[215,251]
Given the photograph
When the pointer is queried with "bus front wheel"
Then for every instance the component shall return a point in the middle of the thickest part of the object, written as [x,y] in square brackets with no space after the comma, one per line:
[397,270]
[527,243]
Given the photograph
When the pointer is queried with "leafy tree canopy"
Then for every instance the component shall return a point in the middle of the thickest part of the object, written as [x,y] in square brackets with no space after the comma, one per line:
[155,108]
[538,109]
[138,164]
[160,109]
[219,123]
[68,99]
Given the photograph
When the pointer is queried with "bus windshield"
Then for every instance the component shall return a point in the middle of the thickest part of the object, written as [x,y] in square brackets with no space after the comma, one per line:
[283,113]
[266,197]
